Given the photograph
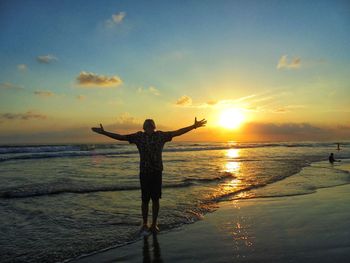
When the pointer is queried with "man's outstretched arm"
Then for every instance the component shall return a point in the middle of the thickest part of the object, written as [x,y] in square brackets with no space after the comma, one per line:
[115,136]
[196,125]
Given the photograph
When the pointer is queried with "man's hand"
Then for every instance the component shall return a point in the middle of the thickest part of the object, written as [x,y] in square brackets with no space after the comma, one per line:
[200,123]
[98,130]
[184,130]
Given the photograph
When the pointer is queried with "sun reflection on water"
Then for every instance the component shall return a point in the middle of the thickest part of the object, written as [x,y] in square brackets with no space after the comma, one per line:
[234,183]
[232,166]
[231,185]
[232,153]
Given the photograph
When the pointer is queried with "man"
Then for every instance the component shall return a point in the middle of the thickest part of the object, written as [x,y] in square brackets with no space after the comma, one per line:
[150,144]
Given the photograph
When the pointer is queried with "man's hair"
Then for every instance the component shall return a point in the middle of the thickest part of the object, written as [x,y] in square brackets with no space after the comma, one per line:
[149,122]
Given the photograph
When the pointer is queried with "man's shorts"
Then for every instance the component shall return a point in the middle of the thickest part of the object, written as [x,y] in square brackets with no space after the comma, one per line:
[151,185]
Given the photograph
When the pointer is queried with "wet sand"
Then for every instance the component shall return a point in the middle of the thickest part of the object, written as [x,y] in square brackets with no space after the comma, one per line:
[305,228]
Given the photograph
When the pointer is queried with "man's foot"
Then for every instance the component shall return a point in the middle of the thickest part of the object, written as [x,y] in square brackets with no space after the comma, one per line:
[154,229]
[144,230]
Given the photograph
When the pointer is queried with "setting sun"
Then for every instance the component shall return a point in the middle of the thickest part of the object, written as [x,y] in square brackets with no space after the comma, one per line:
[231,118]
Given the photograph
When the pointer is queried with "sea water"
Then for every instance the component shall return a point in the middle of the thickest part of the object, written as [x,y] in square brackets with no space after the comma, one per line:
[61,201]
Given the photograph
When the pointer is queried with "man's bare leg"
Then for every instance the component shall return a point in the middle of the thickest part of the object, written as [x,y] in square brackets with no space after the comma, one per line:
[155,211]
[144,208]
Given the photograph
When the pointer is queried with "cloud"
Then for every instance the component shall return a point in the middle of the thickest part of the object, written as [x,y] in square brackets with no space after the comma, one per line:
[128,124]
[187,102]
[173,56]
[288,131]
[44,93]
[154,91]
[280,110]
[227,102]
[184,101]
[22,67]
[89,79]
[283,63]
[125,122]
[247,103]
[116,19]
[22,116]
[288,108]
[126,118]
[8,85]
[150,89]
[285,128]
[46,59]
[212,102]
[344,127]
[81,97]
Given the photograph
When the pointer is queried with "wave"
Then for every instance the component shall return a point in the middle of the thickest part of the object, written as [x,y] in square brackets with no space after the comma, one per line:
[208,180]
[47,155]
[8,153]
[308,182]
[44,148]
[53,189]
[34,190]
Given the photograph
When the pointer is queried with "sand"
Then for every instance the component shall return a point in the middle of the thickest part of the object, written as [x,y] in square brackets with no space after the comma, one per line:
[305,228]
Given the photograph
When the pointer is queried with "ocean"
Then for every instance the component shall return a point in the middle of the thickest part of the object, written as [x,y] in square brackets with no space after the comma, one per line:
[58,202]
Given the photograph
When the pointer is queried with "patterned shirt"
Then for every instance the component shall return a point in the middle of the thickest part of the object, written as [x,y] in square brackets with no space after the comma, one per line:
[150,147]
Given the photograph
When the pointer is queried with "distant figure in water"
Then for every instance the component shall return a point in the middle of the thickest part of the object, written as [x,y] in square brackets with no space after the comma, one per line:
[150,144]
[338,146]
[331,158]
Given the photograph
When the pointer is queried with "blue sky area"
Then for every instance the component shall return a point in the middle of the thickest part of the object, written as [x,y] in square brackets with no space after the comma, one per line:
[292,55]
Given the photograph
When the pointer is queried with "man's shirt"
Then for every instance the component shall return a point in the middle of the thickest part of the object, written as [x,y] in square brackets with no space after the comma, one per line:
[150,147]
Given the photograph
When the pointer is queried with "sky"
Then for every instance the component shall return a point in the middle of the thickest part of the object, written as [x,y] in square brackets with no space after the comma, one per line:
[67,66]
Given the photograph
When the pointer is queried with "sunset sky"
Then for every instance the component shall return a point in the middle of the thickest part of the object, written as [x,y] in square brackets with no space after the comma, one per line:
[69,65]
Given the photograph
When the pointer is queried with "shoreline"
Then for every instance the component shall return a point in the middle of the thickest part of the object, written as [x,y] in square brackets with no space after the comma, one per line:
[312,227]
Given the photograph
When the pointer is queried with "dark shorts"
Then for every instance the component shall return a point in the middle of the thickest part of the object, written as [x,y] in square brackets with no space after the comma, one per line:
[151,185]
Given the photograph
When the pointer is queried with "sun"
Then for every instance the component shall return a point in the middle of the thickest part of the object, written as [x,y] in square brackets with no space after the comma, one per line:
[231,118]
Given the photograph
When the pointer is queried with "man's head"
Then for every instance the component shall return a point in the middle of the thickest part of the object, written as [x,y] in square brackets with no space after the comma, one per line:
[149,126]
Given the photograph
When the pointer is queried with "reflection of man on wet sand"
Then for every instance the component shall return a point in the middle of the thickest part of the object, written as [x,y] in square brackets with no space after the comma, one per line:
[156,251]
[332,159]
[150,144]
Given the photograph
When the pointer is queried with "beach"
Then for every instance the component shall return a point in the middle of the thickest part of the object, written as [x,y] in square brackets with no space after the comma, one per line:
[221,202]
[305,228]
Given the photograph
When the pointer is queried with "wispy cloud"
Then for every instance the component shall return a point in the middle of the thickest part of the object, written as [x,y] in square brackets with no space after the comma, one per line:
[187,101]
[184,101]
[287,131]
[126,118]
[245,98]
[22,67]
[283,63]
[288,108]
[90,79]
[22,116]
[173,56]
[44,93]
[125,122]
[252,102]
[115,19]
[8,85]
[80,97]
[151,90]
[46,59]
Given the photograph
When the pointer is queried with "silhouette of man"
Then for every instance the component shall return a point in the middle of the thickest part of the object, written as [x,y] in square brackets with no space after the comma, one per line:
[150,144]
